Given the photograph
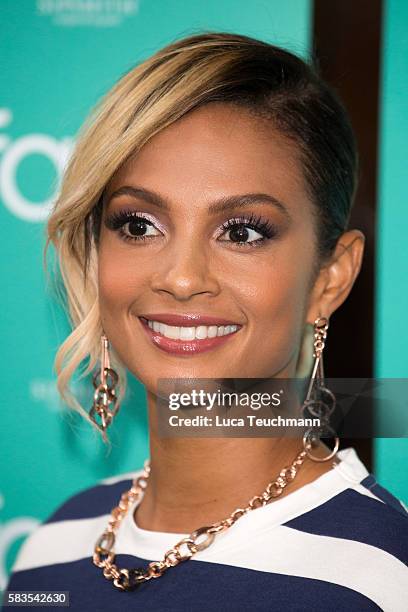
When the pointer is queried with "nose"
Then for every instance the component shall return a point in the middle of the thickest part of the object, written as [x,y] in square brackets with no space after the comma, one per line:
[184,270]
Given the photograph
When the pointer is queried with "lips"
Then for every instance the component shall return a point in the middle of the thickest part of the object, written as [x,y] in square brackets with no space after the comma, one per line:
[188,321]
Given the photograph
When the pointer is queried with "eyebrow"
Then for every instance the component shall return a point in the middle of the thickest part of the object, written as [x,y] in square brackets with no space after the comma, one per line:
[221,205]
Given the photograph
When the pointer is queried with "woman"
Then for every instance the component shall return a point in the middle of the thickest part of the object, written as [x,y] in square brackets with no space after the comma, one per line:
[202,232]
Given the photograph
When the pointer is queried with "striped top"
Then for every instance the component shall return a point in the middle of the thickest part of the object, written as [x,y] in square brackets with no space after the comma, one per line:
[337,543]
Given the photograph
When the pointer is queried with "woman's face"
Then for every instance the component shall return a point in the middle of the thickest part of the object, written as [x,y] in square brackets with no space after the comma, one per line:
[227,233]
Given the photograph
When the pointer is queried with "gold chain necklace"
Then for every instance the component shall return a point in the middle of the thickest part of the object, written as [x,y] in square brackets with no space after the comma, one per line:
[129,579]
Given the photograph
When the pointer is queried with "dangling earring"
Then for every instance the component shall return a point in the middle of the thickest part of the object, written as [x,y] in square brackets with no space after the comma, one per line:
[104,395]
[320,401]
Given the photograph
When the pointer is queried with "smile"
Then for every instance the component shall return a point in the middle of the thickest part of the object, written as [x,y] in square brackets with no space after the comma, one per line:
[187,339]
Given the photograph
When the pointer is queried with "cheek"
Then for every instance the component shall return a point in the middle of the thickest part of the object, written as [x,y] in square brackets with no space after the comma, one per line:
[120,280]
[274,293]
[276,286]
[277,308]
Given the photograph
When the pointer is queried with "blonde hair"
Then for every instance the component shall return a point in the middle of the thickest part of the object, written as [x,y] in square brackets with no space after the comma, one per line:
[208,67]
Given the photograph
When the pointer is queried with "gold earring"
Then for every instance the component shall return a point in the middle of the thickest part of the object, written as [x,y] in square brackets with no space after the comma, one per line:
[105,402]
[320,401]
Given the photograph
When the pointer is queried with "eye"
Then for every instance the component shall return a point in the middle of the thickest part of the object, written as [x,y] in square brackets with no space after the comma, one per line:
[132,225]
[250,231]
[241,233]
[139,228]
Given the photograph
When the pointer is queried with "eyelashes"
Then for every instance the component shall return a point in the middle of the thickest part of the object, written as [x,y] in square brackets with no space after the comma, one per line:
[240,229]
[238,226]
[118,220]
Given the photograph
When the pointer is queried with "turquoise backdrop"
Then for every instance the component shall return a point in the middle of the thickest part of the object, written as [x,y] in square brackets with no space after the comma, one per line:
[392,224]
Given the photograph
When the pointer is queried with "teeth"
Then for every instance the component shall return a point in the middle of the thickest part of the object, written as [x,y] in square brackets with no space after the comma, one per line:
[212,331]
[187,333]
[191,333]
[201,332]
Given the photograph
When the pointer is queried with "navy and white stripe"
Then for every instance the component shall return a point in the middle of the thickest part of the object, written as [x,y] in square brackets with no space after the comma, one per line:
[340,542]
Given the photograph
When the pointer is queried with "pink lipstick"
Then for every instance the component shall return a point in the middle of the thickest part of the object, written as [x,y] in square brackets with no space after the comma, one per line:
[187,334]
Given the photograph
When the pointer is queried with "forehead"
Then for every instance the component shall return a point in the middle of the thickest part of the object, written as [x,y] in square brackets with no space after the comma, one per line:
[213,151]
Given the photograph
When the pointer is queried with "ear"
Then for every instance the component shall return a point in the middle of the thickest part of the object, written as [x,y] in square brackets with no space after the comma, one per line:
[336,278]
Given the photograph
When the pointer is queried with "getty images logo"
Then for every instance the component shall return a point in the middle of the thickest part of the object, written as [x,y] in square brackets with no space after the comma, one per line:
[13,152]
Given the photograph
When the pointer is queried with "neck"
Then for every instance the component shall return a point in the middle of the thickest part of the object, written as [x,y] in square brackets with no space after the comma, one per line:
[199,481]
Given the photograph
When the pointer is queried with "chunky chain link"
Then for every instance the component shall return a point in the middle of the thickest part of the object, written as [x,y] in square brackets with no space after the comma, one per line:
[105,402]
[129,579]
